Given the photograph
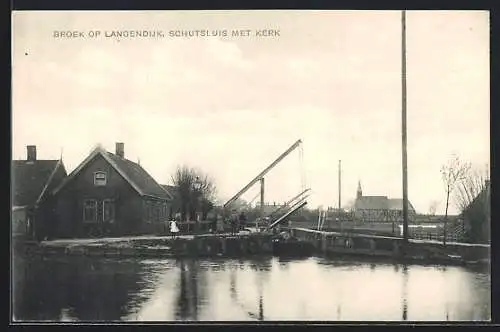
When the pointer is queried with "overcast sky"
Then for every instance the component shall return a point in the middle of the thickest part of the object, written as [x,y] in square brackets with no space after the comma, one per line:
[231,105]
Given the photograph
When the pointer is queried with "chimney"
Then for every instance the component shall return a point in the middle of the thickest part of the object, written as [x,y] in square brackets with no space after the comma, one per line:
[120,150]
[31,153]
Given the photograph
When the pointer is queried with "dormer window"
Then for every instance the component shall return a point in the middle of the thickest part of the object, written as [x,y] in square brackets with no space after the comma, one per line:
[100,178]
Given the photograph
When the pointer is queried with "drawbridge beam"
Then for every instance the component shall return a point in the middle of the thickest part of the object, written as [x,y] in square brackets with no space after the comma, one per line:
[294,208]
[290,202]
[261,175]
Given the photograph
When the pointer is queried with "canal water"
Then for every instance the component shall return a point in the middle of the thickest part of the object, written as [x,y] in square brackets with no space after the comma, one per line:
[268,289]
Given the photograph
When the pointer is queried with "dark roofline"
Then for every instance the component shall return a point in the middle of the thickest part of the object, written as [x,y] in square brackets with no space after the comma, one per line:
[100,151]
[58,163]
[51,177]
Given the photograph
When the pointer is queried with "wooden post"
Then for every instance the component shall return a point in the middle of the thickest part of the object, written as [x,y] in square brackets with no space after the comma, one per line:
[340,185]
[261,201]
[404,131]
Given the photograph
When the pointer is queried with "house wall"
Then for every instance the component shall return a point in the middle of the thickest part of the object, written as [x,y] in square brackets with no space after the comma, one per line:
[69,204]
[45,214]
[155,216]
[19,222]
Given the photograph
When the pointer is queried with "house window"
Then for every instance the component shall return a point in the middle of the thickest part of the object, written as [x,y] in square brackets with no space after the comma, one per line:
[90,210]
[108,210]
[100,178]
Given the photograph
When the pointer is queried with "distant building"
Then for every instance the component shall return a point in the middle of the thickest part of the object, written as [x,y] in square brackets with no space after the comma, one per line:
[32,182]
[477,216]
[337,215]
[380,208]
[108,194]
[270,208]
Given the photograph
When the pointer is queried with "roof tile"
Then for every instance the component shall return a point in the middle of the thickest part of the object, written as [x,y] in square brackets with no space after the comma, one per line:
[139,177]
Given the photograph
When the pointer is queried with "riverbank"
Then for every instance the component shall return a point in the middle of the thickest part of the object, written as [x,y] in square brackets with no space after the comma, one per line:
[305,242]
[417,251]
[226,245]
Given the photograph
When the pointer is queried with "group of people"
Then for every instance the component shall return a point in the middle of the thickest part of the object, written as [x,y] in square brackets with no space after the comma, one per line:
[236,223]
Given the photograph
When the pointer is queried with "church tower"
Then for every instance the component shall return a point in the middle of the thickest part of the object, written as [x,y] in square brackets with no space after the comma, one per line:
[360,192]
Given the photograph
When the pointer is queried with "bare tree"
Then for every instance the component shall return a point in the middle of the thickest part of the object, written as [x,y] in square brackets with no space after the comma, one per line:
[474,181]
[452,173]
[196,191]
[472,200]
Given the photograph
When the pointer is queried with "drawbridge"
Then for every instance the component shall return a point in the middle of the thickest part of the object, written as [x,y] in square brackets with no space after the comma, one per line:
[285,210]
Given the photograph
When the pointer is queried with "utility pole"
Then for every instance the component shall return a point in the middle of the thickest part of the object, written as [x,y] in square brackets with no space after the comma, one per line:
[404,140]
[340,184]
[261,201]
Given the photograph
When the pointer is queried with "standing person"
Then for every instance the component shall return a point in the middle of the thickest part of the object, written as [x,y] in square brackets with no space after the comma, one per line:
[173,228]
[232,223]
[243,220]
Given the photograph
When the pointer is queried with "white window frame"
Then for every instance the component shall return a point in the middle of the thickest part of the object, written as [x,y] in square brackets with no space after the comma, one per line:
[95,211]
[100,181]
[111,202]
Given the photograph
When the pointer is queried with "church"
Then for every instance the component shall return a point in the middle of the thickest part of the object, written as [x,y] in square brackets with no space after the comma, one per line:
[380,208]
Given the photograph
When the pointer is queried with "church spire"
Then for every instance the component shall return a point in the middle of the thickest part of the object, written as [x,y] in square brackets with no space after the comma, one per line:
[360,192]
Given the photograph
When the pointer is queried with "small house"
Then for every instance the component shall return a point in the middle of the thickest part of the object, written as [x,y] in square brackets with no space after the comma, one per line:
[31,184]
[109,195]
[477,216]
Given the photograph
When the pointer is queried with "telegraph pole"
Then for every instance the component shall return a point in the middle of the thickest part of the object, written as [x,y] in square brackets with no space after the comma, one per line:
[404,140]
[340,184]
[261,202]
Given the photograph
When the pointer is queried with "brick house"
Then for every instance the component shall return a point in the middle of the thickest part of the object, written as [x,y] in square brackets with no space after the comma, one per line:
[110,195]
[31,185]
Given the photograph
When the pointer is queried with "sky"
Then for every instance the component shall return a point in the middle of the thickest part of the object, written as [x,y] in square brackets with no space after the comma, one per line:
[230,105]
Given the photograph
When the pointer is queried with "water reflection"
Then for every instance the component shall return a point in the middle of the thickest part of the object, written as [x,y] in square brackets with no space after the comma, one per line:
[182,312]
[75,289]
[81,289]
[405,293]
[239,302]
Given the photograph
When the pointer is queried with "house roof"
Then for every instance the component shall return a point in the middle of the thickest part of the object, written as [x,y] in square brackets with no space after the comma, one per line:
[132,172]
[171,189]
[484,196]
[30,180]
[397,204]
[371,203]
